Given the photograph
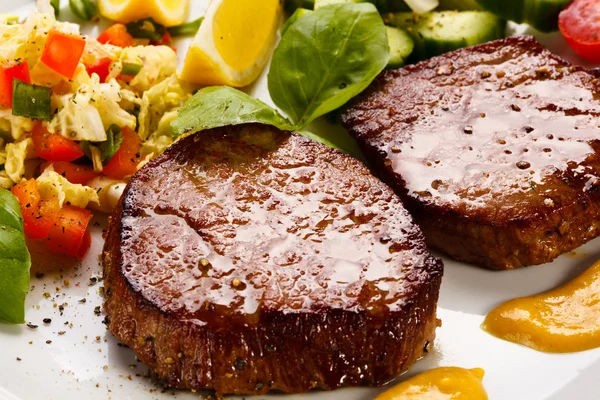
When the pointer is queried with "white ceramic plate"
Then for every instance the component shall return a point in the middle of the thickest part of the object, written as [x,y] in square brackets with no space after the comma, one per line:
[85,362]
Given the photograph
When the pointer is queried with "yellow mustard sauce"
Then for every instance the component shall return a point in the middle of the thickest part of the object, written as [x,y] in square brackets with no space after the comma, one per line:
[446,383]
[562,320]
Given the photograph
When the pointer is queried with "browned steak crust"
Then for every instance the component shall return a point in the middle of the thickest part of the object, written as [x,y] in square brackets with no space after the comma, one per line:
[248,259]
[493,148]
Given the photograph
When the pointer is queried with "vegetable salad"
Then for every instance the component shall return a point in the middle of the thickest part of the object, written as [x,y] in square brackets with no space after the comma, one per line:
[78,114]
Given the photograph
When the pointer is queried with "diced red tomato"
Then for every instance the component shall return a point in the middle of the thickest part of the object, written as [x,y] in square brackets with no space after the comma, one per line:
[124,162]
[39,215]
[63,52]
[54,147]
[164,41]
[100,67]
[580,25]
[7,74]
[74,173]
[69,234]
[116,35]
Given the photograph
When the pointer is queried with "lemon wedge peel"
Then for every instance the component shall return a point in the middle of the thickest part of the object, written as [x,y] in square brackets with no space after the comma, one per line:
[234,42]
[165,12]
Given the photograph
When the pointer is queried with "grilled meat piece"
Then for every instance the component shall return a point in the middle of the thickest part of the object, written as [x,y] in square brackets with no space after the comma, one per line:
[247,259]
[493,149]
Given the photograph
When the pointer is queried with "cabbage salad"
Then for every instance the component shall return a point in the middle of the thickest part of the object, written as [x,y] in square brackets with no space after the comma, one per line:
[68,103]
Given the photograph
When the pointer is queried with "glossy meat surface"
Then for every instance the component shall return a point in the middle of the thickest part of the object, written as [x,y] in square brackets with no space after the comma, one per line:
[502,135]
[250,236]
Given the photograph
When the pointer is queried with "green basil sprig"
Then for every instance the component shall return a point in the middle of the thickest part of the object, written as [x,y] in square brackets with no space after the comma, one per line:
[323,60]
[216,106]
[327,57]
[15,260]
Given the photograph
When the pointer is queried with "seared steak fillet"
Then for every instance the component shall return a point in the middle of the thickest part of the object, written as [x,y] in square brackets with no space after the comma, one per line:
[493,149]
[248,259]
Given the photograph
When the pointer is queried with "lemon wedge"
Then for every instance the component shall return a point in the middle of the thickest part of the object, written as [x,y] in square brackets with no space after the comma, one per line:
[165,12]
[233,43]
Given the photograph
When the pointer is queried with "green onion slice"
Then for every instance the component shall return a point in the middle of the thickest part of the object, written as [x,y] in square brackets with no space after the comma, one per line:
[56,5]
[31,101]
[83,9]
[108,148]
[187,29]
[131,69]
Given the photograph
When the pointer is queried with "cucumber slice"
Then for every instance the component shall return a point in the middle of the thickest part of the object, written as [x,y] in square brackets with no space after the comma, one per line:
[299,13]
[442,31]
[541,14]
[459,5]
[291,5]
[401,46]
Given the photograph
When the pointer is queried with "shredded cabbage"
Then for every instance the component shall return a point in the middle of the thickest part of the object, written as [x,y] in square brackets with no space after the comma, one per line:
[5,181]
[51,183]
[16,154]
[87,114]
[17,126]
[158,63]
[76,118]
[167,96]
[161,138]
[158,109]
[107,97]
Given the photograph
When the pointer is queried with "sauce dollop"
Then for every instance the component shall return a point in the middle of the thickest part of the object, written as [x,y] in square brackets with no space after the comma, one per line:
[446,383]
[562,320]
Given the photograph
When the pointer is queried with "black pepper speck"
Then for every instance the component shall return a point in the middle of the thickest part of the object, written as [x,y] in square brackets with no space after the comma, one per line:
[240,364]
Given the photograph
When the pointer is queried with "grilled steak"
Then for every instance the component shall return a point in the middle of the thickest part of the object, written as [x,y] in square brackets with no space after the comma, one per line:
[248,259]
[493,149]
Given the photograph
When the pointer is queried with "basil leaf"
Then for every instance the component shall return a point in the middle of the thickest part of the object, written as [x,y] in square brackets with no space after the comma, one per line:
[325,58]
[108,148]
[299,13]
[15,260]
[333,136]
[217,106]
